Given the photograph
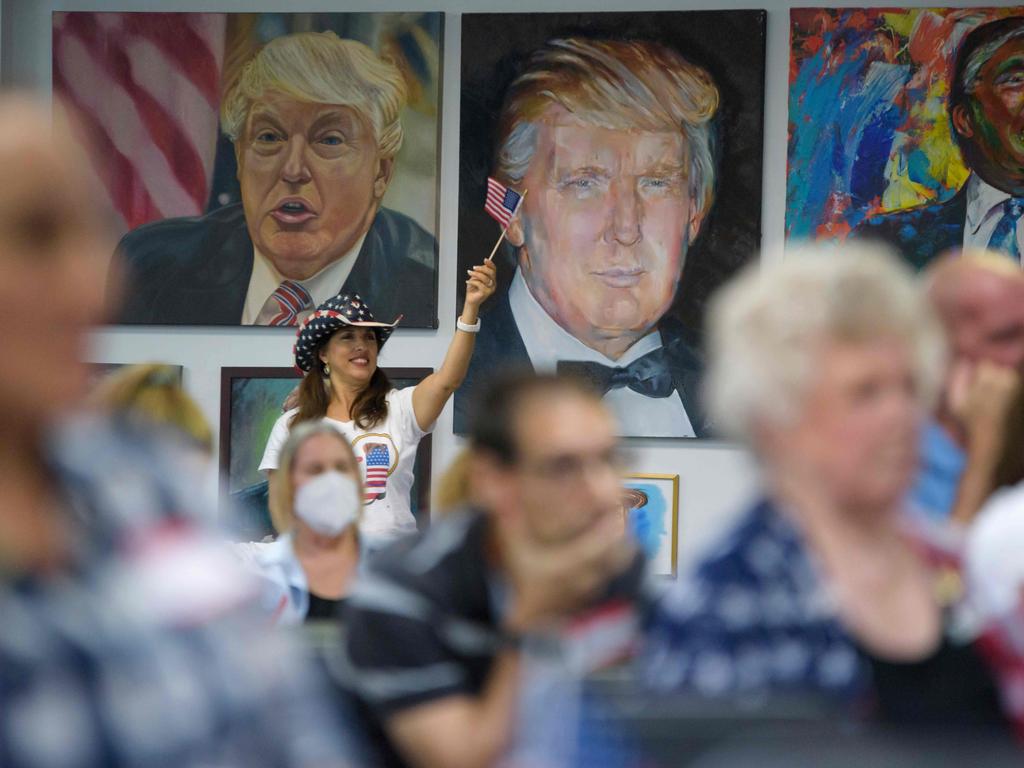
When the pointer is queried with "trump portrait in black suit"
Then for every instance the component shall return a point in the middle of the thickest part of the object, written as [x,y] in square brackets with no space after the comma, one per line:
[315,124]
[613,143]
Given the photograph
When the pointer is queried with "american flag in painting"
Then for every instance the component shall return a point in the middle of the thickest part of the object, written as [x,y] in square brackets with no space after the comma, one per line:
[502,202]
[147,87]
[378,464]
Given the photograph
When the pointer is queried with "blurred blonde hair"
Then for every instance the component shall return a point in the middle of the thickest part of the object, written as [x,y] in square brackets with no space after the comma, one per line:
[766,327]
[453,487]
[281,493]
[320,67]
[152,392]
[619,85]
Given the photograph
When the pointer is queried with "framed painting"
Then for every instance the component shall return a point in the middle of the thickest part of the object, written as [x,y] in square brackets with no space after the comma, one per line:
[636,143]
[650,506]
[252,399]
[902,128]
[260,163]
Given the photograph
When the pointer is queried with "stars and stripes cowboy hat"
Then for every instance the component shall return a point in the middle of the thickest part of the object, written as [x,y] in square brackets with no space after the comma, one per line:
[345,309]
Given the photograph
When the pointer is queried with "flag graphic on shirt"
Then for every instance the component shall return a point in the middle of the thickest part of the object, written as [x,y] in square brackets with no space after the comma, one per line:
[378,464]
[502,202]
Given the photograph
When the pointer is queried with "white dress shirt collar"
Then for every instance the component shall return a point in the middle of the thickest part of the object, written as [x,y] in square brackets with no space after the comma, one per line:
[983,202]
[323,285]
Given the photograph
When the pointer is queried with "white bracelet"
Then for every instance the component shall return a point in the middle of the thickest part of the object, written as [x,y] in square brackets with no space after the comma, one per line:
[474,328]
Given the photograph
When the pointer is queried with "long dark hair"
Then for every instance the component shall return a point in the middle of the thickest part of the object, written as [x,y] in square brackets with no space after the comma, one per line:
[369,409]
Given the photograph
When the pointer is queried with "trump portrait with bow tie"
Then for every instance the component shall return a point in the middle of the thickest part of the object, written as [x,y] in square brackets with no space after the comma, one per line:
[614,142]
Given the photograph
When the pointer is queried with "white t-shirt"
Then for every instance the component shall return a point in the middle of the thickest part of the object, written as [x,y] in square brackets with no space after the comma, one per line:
[387,454]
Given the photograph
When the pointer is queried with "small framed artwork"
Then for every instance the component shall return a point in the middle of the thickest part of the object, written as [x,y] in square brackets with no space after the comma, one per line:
[251,400]
[650,505]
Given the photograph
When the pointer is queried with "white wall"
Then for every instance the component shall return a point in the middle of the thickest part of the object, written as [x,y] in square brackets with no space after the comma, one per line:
[715,478]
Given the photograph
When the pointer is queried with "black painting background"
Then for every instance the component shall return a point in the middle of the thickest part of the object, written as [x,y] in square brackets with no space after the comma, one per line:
[729,44]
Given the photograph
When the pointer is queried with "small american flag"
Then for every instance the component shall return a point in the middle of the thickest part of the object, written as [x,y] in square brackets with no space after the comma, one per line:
[502,202]
[378,464]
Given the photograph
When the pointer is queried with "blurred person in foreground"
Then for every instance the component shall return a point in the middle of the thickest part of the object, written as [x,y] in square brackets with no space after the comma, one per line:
[437,630]
[126,637]
[824,364]
[315,506]
[994,573]
[979,297]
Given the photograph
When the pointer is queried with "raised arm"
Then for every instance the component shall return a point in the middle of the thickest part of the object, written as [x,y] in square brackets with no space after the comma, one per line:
[431,394]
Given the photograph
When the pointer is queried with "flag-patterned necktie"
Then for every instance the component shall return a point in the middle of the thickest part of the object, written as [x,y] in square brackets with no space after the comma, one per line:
[1004,236]
[292,298]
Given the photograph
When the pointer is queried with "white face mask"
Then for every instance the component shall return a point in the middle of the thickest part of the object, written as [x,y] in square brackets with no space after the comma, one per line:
[328,503]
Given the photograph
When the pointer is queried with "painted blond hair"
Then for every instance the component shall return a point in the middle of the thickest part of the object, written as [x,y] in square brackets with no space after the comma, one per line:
[618,85]
[320,67]
[767,325]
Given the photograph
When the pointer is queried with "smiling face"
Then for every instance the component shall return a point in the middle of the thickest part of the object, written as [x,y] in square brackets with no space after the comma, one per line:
[605,229]
[311,181]
[991,122]
[352,354]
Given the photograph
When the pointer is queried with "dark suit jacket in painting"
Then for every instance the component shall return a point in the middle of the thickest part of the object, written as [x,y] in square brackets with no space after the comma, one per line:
[499,347]
[920,234]
[195,271]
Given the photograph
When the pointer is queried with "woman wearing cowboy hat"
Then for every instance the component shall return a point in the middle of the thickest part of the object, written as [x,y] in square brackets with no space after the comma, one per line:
[337,348]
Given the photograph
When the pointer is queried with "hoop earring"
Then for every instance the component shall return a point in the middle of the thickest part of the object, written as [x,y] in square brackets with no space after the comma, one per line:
[327,370]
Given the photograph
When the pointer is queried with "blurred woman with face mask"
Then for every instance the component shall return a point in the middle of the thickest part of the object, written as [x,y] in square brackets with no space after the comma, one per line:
[315,505]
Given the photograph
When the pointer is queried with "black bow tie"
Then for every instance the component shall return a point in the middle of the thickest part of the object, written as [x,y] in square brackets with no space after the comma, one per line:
[648,375]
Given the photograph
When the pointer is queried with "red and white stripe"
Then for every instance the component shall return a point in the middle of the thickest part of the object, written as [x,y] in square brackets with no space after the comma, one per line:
[495,203]
[147,87]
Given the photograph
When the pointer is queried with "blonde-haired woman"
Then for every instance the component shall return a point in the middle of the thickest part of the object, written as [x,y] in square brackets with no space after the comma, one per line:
[824,364]
[315,505]
[151,393]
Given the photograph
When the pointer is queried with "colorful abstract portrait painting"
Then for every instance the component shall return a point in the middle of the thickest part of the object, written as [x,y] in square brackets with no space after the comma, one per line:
[259,163]
[634,142]
[905,126]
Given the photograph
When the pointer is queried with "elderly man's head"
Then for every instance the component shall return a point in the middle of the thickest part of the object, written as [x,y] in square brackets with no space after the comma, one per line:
[315,121]
[987,102]
[825,363]
[979,297]
[614,142]
[54,254]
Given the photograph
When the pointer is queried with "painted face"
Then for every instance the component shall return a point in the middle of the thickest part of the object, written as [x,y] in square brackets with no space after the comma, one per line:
[857,434]
[321,453]
[54,256]
[352,354]
[607,220]
[311,180]
[993,119]
[567,477]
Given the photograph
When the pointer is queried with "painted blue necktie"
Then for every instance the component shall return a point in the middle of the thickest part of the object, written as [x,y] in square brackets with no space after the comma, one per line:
[1004,236]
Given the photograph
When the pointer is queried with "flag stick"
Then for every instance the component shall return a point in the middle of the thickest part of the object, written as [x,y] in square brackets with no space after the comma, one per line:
[504,230]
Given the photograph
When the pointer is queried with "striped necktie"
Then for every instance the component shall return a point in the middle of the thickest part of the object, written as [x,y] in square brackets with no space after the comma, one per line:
[1004,236]
[292,298]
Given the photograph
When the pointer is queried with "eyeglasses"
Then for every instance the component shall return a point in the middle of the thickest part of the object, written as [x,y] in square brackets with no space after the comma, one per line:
[574,467]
